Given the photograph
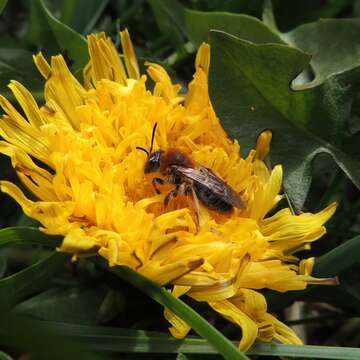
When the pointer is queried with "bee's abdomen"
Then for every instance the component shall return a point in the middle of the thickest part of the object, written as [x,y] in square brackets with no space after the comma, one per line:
[212,200]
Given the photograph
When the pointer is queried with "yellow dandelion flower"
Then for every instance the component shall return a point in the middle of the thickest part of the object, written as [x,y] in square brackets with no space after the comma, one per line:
[77,154]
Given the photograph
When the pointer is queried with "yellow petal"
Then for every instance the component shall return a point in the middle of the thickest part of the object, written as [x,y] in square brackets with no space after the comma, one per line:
[77,241]
[105,62]
[282,332]
[131,63]
[266,195]
[17,131]
[179,328]
[63,88]
[288,232]
[9,188]
[42,65]
[306,266]
[164,274]
[163,86]
[235,315]
[28,104]
[203,58]
[263,144]
[272,274]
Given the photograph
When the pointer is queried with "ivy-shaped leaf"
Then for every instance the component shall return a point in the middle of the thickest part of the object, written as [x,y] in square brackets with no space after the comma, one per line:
[305,123]
[333,44]
[249,88]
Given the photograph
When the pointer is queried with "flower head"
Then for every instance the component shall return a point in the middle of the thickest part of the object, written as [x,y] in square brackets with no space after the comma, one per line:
[77,154]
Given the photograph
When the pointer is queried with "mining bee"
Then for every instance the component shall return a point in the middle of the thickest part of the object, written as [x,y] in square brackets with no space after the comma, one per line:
[190,179]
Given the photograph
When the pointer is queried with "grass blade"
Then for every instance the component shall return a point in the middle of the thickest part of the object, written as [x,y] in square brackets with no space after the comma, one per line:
[40,341]
[26,235]
[110,339]
[338,259]
[18,286]
[185,312]
[306,351]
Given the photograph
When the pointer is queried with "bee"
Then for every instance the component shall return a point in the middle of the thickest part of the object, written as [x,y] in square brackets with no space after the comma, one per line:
[190,179]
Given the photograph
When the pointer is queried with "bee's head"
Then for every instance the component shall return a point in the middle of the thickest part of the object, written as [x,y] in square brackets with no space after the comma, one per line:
[153,163]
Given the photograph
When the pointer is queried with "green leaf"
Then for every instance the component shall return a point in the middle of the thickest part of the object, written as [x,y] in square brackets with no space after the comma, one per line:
[316,119]
[82,15]
[49,33]
[198,24]
[25,221]
[3,264]
[306,351]
[111,339]
[18,64]
[179,308]
[339,259]
[329,104]
[233,6]
[333,44]
[38,340]
[182,357]
[351,146]
[293,13]
[114,339]
[4,356]
[2,5]
[27,235]
[18,286]
[195,25]
[169,17]
[70,304]
[112,305]
[249,88]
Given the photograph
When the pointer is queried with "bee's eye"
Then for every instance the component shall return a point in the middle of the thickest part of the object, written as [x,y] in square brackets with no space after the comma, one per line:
[153,164]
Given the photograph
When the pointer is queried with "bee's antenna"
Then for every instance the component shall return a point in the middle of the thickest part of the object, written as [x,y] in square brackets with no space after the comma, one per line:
[153,137]
[144,150]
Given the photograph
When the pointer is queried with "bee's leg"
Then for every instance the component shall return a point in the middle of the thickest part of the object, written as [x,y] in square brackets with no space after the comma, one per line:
[188,190]
[181,188]
[157,181]
[171,195]
[193,203]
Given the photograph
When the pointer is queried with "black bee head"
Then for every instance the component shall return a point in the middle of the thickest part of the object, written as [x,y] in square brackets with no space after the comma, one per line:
[153,163]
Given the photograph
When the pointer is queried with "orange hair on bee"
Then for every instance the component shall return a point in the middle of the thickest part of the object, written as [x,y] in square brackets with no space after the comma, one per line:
[176,157]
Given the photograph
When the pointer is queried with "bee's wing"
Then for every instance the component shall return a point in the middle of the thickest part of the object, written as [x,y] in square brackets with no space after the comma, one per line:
[206,177]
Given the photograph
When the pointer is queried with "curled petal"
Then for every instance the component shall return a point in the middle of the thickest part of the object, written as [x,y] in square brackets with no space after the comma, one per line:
[248,326]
